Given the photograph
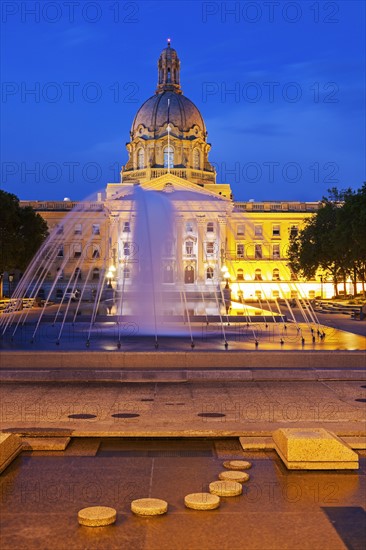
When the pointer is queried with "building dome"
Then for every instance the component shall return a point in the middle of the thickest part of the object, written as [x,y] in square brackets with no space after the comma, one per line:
[168,133]
[167,107]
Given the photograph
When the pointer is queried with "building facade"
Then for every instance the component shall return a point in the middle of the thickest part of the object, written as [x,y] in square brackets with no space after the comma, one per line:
[216,239]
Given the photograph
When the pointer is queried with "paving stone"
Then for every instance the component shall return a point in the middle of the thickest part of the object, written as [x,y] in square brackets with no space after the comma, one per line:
[97,516]
[237,464]
[232,475]
[226,488]
[149,507]
[202,501]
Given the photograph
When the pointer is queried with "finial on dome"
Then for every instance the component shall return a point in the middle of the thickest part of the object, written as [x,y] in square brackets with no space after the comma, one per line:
[168,42]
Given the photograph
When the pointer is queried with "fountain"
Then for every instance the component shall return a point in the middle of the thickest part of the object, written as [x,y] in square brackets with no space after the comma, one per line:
[134,284]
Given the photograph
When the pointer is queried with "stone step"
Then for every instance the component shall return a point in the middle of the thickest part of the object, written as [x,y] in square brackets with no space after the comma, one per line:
[313,449]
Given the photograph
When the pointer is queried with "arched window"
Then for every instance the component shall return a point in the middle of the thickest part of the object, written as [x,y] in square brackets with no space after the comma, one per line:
[240,275]
[196,159]
[95,275]
[168,157]
[189,274]
[258,275]
[209,273]
[276,275]
[140,159]
[168,274]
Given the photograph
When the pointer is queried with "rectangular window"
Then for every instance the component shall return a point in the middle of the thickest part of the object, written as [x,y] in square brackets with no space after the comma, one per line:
[77,250]
[60,229]
[189,248]
[126,249]
[77,229]
[210,227]
[258,230]
[126,227]
[240,250]
[189,227]
[96,229]
[294,294]
[210,248]
[276,230]
[60,252]
[240,229]
[258,254]
[294,229]
[276,252]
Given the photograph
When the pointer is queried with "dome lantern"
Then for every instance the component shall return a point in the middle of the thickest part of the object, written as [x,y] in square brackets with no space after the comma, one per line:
[168,71]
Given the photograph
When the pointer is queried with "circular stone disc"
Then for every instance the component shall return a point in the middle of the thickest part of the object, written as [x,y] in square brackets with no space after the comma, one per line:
[97,516]
[202,501]
[232,475]
[237,465]
[149,506]
[226,488]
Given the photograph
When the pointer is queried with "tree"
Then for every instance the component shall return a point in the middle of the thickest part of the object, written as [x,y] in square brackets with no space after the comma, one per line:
[22,231]
[351,234]
[334,239]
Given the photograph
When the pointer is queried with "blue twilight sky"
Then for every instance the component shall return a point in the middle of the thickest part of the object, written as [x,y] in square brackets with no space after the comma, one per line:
[280,85]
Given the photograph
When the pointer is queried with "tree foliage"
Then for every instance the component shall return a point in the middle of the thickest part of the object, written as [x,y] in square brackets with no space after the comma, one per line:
[334,239]
[22,231]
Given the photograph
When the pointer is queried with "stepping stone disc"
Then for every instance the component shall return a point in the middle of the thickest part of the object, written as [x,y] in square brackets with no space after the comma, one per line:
[97,516]
[237,464]
[202,501]
[149,506]
[226,488]
[232,475]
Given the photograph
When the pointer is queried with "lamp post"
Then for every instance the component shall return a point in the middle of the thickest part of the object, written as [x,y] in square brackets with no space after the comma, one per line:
[110,275]
[227,289]
[11,279]
[227,279]
[321,286]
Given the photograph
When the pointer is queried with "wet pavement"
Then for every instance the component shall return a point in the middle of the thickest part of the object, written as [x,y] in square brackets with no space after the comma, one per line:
[42,493]
[240,336]
[184,409]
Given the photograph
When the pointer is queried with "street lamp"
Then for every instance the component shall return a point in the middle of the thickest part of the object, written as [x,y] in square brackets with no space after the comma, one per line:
[227,279]
[227,289]
[110,275]
[11,279]
[321,286]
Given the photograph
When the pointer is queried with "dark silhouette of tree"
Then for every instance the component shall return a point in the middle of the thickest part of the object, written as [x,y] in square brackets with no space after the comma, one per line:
[22,231]
[333,240]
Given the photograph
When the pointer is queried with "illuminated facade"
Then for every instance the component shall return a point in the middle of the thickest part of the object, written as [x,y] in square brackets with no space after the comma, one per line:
[168,152]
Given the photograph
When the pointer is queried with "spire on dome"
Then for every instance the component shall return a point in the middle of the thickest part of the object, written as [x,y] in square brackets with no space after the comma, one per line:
[168,71]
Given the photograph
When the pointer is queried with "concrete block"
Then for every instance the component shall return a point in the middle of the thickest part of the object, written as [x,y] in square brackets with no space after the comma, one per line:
[256,443]
[10,447]
[45,443]
[313,449]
